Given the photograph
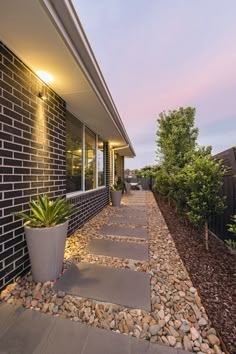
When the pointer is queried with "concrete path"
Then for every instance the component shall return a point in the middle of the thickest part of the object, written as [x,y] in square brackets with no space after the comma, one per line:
[32,332]
[127,220]
[113,285]
[123,231]
[118,249]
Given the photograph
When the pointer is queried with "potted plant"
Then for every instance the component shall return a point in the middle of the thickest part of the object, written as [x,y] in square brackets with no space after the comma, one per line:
[46,231]
[116,194]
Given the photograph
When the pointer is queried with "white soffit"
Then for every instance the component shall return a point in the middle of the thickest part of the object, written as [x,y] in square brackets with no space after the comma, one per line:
[29,31]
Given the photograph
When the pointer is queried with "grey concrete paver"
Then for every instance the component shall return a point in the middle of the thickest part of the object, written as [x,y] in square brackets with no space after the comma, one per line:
[131,213]
[25,333]
[113,285]
[61,336]
[122,231]
[124,220]
[135,207]
[144,346]
[64,337]
[104,342]
[128,250]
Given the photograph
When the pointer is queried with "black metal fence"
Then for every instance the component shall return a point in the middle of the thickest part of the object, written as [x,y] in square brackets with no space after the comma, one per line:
[219,223]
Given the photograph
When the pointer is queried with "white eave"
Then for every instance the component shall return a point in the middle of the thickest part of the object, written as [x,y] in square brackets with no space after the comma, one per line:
[47,35]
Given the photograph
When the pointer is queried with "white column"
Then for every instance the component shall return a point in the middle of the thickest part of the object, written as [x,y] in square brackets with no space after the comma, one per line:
[83,159]
[96,160]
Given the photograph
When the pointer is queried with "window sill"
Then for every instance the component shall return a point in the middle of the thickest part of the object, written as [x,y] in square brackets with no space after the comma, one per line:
[78,193]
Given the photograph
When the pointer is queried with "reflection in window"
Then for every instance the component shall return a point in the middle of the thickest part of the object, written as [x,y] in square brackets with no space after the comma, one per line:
[90,160]
[100,161]
[74,138]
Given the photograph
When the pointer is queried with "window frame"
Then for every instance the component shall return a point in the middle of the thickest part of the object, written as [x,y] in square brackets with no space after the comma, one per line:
[83,190]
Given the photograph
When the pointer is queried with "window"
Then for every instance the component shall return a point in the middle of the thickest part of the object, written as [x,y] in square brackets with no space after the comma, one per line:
[90,160]
[84,157]
[74,154]
[100,163]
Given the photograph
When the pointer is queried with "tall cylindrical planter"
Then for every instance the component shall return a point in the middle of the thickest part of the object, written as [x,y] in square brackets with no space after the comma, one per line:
[46,248]
[116,198]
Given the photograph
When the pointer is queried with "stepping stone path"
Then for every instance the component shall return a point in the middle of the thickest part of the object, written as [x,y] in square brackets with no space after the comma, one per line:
[118,249]
[133,294]
[113,285]
[119,286]
[131,213]
[129,221]
[122,231]
[29,331]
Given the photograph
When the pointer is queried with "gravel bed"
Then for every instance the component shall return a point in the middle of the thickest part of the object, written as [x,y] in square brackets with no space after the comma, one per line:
[177,319]
[213,273]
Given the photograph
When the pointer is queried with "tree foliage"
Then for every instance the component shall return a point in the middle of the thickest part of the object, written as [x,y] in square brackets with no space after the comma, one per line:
[147,171]
[232,227]
[188,174]
[204,176]
[176,137]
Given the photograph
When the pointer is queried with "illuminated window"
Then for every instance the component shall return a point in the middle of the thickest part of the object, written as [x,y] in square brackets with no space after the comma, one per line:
[90,159]
[74,155]
[100,163]
[84,157]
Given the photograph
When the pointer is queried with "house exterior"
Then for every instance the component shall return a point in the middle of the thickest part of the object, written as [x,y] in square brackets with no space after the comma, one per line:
[60,132]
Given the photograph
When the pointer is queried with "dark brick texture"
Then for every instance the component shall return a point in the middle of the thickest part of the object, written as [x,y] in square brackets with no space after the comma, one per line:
[32,159]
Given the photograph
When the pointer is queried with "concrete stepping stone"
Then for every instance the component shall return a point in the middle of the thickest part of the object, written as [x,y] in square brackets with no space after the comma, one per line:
[25,333]
[134,207]
[131,213]
[118,249]
[129,221]
[122,231]
[64,336]
[106,342]
[113,285]
[144,204]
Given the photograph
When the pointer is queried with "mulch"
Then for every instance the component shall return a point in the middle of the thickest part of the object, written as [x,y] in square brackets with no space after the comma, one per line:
[212,272]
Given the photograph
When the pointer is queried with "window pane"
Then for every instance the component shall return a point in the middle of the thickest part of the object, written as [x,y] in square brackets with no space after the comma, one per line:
[90,160]
[100,160]
[74,138]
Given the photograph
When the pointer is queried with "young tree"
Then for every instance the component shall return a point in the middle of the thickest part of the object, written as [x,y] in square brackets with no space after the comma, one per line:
[204,176]
[176,141]
[176,137]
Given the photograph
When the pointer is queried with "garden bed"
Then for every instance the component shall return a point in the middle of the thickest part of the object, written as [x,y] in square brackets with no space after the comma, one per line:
[213,273]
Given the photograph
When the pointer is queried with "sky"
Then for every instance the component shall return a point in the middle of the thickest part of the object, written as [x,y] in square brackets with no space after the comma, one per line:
[159,55]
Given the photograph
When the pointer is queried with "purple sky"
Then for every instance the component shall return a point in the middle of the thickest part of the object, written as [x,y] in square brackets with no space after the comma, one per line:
[158,55]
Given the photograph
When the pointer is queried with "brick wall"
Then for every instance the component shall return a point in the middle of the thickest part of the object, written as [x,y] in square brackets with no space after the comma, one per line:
[32,155]
[32,159]
[89,204]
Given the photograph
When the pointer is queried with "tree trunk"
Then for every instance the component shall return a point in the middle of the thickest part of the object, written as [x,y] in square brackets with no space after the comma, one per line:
[206,235]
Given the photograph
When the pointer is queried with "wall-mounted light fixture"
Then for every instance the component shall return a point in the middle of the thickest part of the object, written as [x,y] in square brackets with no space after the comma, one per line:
[47,78]
[42,93]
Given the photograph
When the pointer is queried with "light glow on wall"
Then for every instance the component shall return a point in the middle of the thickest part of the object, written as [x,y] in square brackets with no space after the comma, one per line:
[45,76]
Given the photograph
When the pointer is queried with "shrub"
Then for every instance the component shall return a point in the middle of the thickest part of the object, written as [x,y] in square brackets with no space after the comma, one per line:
[232,228]
[48,213]
[204,177]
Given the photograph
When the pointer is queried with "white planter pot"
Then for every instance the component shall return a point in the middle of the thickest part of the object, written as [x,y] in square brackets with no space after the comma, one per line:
[116,198]
[46,248]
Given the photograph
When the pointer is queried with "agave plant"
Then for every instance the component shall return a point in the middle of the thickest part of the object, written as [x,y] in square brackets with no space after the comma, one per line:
[48,213]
